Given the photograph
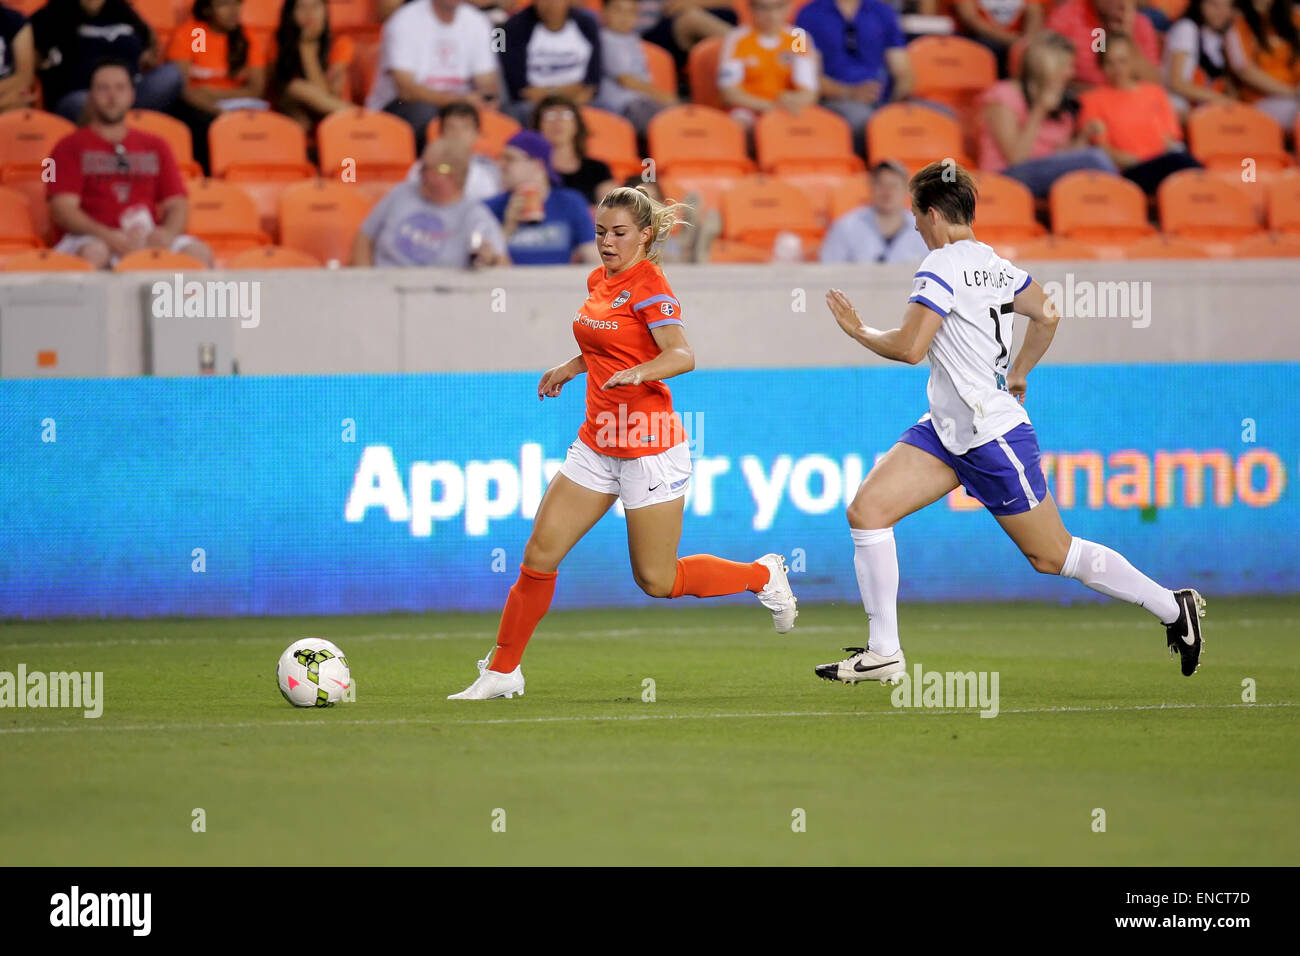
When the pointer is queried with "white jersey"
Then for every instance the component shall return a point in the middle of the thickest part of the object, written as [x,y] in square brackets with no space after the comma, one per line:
[972,287]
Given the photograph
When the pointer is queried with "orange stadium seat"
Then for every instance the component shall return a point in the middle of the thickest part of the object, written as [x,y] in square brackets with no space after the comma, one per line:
[1198,205]
[176,133]
[223,216]
[952,70]
[160,15]
[26,7]
[756,209]
[158,260]
[1161,246]
[365,63]
[261,16]
[1223,135]
[494,130]
[17,231]
[728,250]
[1268,246]
[354,16]
[258,145]
[663,68]
[814,139]
[698,139]
[1047,248]
[1005,211]
[1173,9]
[381,146]
[45,260]
[612,140]
[1284,204]
[913,135]
[823,189]
[854,191]
[702,72]
[702,190]
[321,218]
[1098,207]
[273,257]
[27,137]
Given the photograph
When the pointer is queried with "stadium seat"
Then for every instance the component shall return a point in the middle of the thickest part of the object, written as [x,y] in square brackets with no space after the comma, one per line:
[365,64]
[273,257]
[913,135]
[612,140]
[1223,135]
[45,260]
[27,137]
[176,133]
[1047,248]
[728,250]
[321,218]
[381,146]
[697,139]
[1267,246]
[160,15]
[158,260]
[261,16]
[1173,9]
[355,17]
[703,190]
[1161,246]
[1284,204]
[494,130]
[823,190]
[702,72]
[26,7]
[812,140]
[1198,205]
[17,231]
[952,70]
[758,208]
[854,191]
[258,145]
[223,216]
[1098,207]
[663,68]
[1005,211]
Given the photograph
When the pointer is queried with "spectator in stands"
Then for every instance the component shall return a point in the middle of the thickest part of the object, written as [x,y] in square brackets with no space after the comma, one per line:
[17,60]
[1264,51]
[71,36]
[560,121]
[117,189]
[1195,64]
[432,222]
[625,86]
[999,23]
[226,71]
[766,65]
[434,52]
[497,10]
[884,231]
[677,25]
[864,62]
[545,223]
[309,76]
[1079,20]
[1137,124]
[460,123]
[1029,127]
[550,49]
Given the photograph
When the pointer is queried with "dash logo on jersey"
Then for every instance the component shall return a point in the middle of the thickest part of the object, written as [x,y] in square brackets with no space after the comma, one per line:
[622,298]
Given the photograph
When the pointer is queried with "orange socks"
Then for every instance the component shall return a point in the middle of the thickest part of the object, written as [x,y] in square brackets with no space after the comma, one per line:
[529,599]
[703,575]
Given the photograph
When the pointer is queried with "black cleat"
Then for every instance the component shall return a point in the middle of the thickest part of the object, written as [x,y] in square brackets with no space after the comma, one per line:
[1185,633]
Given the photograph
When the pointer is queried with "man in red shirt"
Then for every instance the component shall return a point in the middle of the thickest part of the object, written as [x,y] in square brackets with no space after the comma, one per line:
[1086,24]
[114,189]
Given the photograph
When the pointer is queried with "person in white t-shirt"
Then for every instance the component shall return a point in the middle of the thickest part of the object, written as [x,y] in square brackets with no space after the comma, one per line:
[976,434]
[551,48]
[434,52]
[1195,65]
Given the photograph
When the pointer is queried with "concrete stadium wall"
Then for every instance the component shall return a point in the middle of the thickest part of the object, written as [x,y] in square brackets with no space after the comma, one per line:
[395,320]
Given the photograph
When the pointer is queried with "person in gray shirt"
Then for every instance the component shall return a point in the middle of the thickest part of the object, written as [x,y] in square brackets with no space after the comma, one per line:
[430,222]
[883,231]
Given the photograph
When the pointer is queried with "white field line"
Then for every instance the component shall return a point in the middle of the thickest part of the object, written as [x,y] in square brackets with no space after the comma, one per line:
[598,718]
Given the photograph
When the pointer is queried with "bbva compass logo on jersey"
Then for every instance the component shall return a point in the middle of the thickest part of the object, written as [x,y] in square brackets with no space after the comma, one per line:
[621,298]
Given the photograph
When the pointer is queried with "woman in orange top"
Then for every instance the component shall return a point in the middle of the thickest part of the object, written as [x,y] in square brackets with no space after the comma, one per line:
[310,76]
[221,62]
[766,65]
[631,448]
[1263,49]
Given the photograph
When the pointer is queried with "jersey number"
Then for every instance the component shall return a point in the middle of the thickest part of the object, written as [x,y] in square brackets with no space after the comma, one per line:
[1001,361]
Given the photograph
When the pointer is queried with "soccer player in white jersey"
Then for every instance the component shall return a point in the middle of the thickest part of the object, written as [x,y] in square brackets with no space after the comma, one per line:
[976,433]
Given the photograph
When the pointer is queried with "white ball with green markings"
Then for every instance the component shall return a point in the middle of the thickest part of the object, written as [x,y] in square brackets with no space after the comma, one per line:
[313,672]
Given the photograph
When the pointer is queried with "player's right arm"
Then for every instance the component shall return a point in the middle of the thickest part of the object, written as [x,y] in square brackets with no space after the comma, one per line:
[553,379]
[1035,304]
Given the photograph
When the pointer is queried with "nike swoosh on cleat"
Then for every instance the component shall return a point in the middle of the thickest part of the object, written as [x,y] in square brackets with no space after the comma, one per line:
[862,670]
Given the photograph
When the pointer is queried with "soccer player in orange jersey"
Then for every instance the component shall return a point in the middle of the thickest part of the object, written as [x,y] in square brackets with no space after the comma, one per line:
[632,447]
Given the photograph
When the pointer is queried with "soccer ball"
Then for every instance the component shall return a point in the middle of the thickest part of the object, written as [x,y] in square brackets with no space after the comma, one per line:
[313,673]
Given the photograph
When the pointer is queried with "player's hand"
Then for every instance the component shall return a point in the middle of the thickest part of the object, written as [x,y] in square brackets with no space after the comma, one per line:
[843,310]
[1016,385]
[552,381]
[627,376]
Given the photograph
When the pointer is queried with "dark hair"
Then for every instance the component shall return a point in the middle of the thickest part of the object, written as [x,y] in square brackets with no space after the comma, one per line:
[288,58]
[458,108]
[1196,13]
[946,186]
[1113,36]
[236,39]
[1279,18]
[108,62]
[580,137]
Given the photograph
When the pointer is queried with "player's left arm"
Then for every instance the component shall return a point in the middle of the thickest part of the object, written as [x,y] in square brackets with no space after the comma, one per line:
[907,343]
[1037,306]
[675,358]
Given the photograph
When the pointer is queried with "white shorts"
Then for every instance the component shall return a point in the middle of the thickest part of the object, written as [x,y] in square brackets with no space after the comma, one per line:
[72,244]
[638,482]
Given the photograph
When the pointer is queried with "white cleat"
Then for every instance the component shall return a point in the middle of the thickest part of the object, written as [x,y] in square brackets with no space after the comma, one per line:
[865,665]
[776,595]
[492,684]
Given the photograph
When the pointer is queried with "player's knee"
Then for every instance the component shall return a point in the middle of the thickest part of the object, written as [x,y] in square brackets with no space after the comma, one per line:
[1046,563]
[540,558]
[865,513]
[656,583]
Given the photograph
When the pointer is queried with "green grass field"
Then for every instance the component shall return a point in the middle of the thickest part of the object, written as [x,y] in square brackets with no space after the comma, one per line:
[1092,715]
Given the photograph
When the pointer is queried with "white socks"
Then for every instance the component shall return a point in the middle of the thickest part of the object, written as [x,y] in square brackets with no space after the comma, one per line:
[1107,572]
[875,561]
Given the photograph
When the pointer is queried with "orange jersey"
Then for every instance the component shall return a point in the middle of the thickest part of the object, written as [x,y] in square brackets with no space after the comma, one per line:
[766,66]
[204,49]
[613,329]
